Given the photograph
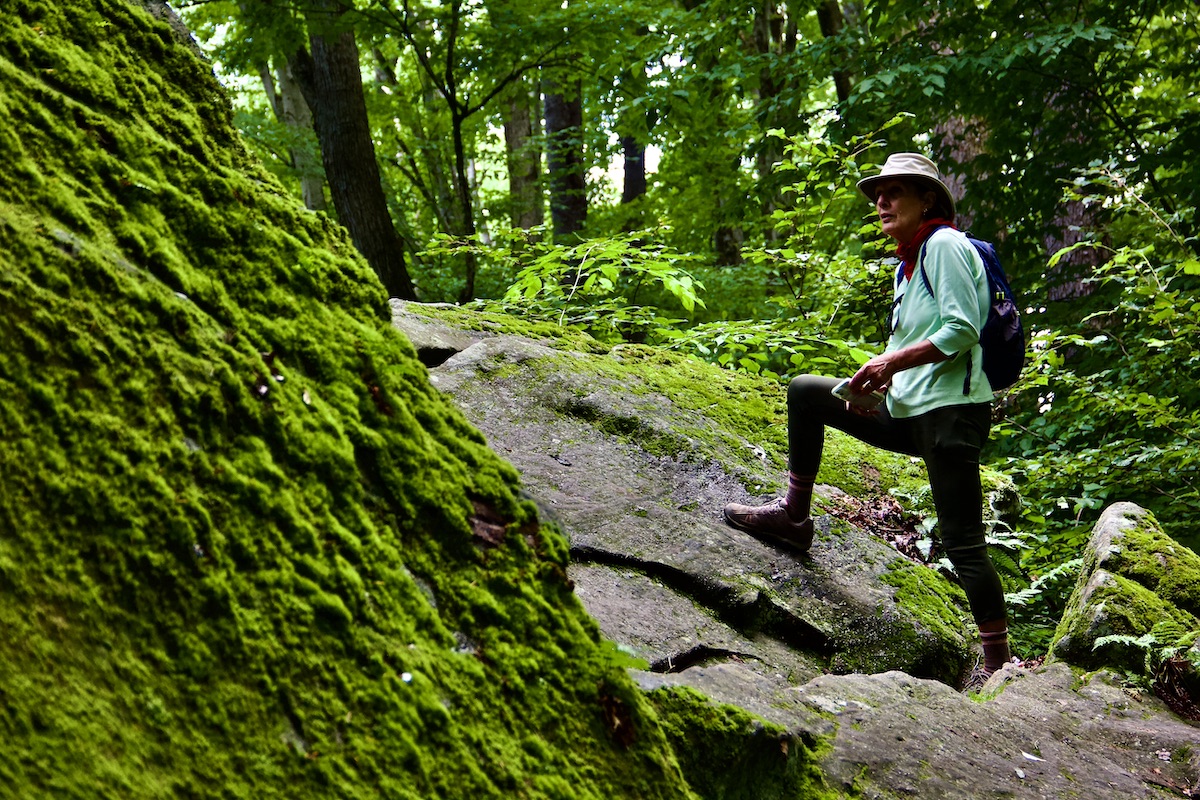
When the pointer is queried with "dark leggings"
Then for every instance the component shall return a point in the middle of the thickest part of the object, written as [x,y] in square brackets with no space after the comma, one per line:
[948,439]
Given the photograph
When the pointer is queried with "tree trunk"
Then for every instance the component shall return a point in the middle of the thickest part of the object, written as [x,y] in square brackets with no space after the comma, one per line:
[462,192]
[635,169]
[564,161]
[524,159]
[634,127]
[832,20]
[331,80]
[291,109]
[767,39]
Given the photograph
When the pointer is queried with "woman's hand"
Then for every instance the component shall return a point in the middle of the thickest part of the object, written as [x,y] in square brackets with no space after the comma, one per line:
[875,375]
[878,372]
[866,411]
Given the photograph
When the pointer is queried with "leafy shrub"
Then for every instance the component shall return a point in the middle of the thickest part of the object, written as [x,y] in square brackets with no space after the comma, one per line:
[1109,410]
[598,285]
[1170,666]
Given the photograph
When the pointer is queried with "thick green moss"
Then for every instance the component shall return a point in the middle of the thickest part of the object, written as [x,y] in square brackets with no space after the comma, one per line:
[1115,606]
[246,550]
[472,317]
[729,754]
[1134,577]
[940,607]
[1151,558]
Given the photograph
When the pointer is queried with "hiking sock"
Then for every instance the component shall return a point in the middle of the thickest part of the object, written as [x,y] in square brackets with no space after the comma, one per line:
[995,650]
[798,500]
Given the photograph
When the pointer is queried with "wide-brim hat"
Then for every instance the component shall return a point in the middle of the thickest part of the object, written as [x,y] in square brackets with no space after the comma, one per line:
[912,166]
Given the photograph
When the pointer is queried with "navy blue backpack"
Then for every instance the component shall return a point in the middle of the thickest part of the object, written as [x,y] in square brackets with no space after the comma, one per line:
[1002,336]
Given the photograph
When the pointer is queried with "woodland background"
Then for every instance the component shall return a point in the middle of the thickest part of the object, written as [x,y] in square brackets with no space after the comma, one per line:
[682,173]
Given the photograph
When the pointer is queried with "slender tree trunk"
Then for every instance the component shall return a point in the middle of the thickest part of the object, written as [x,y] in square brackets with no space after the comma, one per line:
[564,161]
[297,114]
[634,127]
[726,237]
[524,159]
[436,157]
[331,80]
[462,192]
[481,227]
[831,19]
[634,153]
[291,109]
[767,41]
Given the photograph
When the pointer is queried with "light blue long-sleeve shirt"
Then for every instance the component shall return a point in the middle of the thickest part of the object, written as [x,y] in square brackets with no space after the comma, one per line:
[950,319]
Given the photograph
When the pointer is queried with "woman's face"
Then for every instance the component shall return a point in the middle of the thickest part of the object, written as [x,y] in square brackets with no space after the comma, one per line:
[901,205]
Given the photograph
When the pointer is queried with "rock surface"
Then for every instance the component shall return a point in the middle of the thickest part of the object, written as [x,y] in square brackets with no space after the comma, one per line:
[1039,734]
[1134,578]
[713,610]
[609,458]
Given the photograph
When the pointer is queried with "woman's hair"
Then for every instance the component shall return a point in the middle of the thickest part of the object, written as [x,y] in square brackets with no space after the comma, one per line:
[941,206]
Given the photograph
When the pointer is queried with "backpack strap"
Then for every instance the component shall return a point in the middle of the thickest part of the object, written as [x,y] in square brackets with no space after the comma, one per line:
[929,288]
[893,321]
[921,262]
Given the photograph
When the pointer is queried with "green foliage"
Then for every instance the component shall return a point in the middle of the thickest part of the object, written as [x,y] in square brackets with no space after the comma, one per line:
[1166,642]
[274,143]
[1034,611]
[1013,98]
[594,285]
[1109,409]
[822,225]
[774,349]
[824,298]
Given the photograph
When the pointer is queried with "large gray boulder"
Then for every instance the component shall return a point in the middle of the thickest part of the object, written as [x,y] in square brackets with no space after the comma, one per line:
[626,451]
[1033,734]
[846,656]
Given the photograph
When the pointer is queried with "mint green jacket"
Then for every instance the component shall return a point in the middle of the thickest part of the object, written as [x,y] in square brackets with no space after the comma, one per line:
[950,318]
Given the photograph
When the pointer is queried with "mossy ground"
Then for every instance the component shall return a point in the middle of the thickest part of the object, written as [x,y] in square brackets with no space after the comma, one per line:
[246,550]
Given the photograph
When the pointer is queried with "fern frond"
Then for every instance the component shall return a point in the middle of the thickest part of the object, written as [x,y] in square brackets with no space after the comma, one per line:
[1143,642]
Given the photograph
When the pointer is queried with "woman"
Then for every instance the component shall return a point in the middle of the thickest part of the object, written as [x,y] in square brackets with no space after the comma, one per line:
[937,403]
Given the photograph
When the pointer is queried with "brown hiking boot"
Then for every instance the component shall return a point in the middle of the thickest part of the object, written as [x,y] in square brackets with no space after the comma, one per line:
[771,523]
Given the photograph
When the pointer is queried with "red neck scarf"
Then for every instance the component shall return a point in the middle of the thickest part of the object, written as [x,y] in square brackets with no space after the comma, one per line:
[909,251]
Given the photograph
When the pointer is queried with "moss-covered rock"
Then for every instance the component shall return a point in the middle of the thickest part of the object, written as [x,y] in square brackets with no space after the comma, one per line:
[729,754]
[737,418]
[940,610]
[245,549]
[1134,577]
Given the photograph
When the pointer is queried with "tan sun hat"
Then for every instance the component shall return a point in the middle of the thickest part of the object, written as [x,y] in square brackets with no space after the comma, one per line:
[909,165]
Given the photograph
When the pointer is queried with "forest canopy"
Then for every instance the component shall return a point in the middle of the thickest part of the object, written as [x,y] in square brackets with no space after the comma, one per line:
[682,173]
